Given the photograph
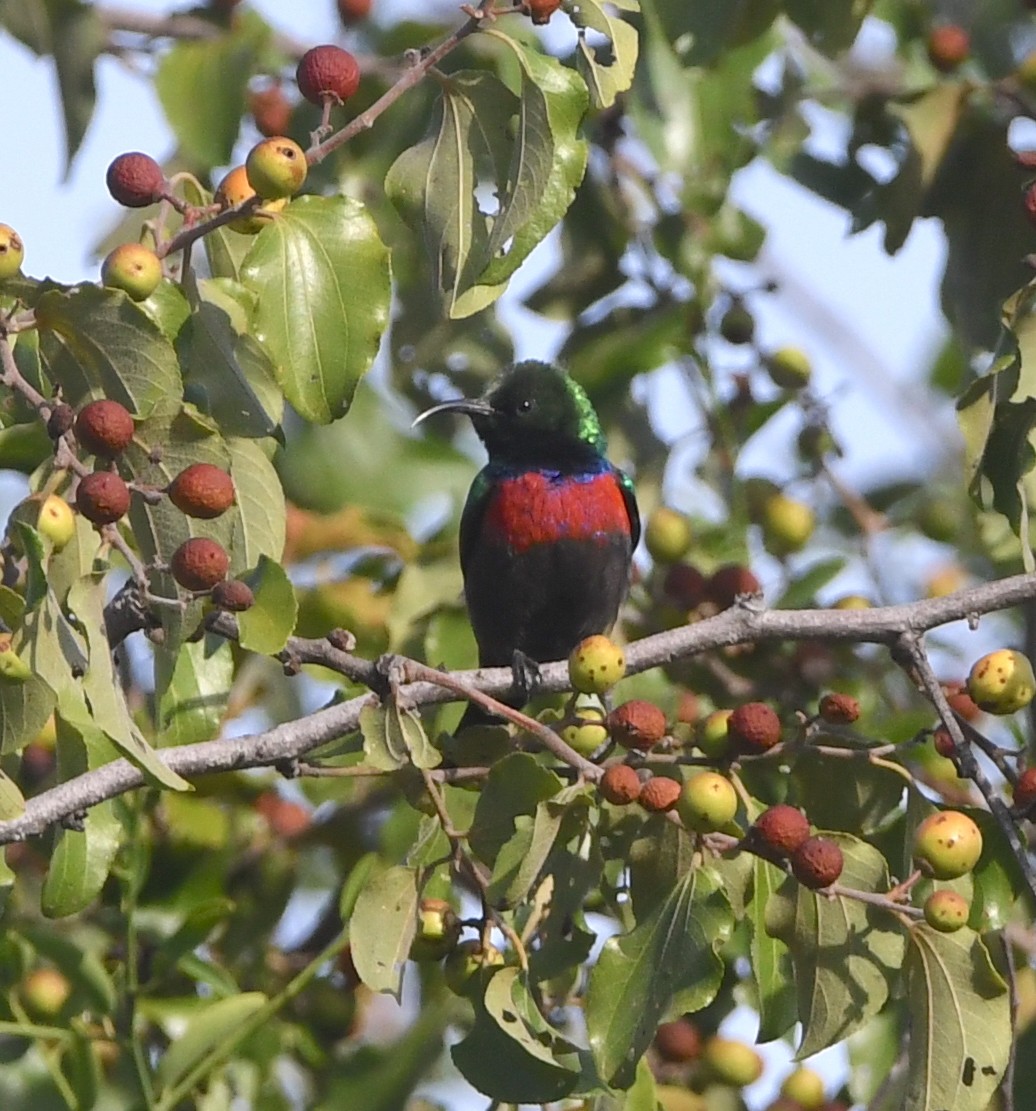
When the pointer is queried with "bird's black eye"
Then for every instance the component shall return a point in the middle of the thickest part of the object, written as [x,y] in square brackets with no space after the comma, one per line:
[526,405]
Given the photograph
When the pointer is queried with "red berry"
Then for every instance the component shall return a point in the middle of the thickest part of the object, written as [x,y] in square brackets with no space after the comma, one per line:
[685,586]
[284,817]
[728,582]
[102,497]
[271,110]
[636,724]
[948,47]
[135,180]
[659,794]
[620,785]
[541,10]
[781,830]
[1025,789]
[233,595]
[839,709]
[678,1041]
[961,703]
[327,73]
[202,490]
[199,563]
[104,428]
[817,862]
[943,742]
[754,727]
[353,11]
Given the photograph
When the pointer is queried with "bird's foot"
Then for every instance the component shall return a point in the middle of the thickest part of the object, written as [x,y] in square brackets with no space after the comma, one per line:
[526,678]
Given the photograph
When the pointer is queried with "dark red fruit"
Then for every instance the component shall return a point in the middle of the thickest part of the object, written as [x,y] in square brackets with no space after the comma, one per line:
[659,794]
[730,581]
[1025,789]
[541,10]
[135,180]
[685,586]
[779,831]
[271,111]
[202,490]
[102,497]
[817,862]
[961,703]
[284,817]
[839,709]
[327,73]
[353,11]
[199,563]
[620,785]
[943,742]
[948,47]
[104,428]
[678,1042]
[754,727]
[61,419]
[636,724]
[233,595]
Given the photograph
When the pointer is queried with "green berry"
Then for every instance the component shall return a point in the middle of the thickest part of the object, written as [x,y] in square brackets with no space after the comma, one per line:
[947,844]
[806,1088]
[467,966]
[946,911]
[438,929]
[712,736]
[133,268]
[596,665]
[12,252]
[587,734]
[789,368]
[708,802]
[56,521]
[667,535]
[233,191]
[13,669]
[786,524]
[276,167]
[732,1062]
[1002,682]
[45,992]
[738,324]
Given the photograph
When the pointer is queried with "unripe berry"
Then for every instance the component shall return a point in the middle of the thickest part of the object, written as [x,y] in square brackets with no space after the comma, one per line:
[438,929]
[731,1062]
[1024,794]
[637,724]
[133,268]
[233,595]
[946,911]
[1002,682]
[327,73]
[353,11]
[667,535]
[202,490]
[541,10]
[738,324]
[56,521]
[233,191]
[779,831]
[708,802]
[271,110]
[817,862]
[805,1087]
[102,497]
[12,252]
[135,180]
[62,418]
[276,167]
[199,563]
[786,525]
[713,734]
[104,428]
[731,581]
[678,1041]
[595,665]
[467,964]
[13,669]
[589,733]
[620,785]
[947,845]
[685,586]
[839,709]
[45,991]
[948,47]
[852,602]
[754,727]
[789,368]
[659,794]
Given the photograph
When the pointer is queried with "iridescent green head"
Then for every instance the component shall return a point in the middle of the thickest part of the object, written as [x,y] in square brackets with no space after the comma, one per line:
[533,413]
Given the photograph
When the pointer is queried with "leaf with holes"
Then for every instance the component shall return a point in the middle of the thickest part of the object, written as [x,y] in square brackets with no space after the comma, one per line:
[382,927]
[606,71]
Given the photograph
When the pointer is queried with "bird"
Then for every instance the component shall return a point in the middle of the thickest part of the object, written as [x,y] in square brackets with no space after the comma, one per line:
[549,526]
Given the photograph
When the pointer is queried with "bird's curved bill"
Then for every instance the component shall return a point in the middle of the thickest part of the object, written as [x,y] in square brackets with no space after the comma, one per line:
[472,407]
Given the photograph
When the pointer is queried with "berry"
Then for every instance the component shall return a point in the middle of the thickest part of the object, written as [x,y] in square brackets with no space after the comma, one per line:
[327,73]
[731,1062]
[685,585]
[199,563]
[353,11]
[946,911]
[707,803]
[45,991]
[60,421]
[135,180]
[738,324]
[438,929]
[786,525]
[1002,682]
[595,665]
[13,669]
[284,817]
[948,47]
[754,727]
[56,521]
[104,428]
[961,703]
[1024,794]
[839,709]
[102,497]
[789,368]
[637,724]
[805,1087]
[943,742]
[620,785]
[588,733]
[947,844]
[659,794]
[852,602]
[667,535]
[779,831]
[540,10]
[133,268]
[678,1042]
[233,191]
[713,735]
[276,167]
[271,110]
[729,582]
[202,490]
[466,964]
[817,862]
[12,252]
[233,595]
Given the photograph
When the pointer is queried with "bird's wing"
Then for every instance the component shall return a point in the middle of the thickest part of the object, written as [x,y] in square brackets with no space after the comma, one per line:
[471,518]
[629,496]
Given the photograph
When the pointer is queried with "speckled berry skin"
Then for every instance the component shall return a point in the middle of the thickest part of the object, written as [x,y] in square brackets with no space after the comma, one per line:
[754,728]
[12,252]
[102,497]
[708,802]
[947,844]
[839,709]
[202,490]
[817,862]
[620,785]
[596,665]
[659,794]
[588,733]
[135,180]
[946,911]
[327,73]
[637,724]
[276,167]
[780,831]
[199,563]
[104,428]
[1002,682]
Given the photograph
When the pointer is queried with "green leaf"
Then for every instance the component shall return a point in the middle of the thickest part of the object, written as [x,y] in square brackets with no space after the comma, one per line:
[320,273]
[846,954]
[205,1031]
[24,710]
[382,927]
[193,699]
[98,343]
[394,737]
[77,38]
[12,801]
[259,520]
[830,25]
[860,803]
[511,1053]
[771,961]
[671,950]
[516,786]
[266,626]
[606,72]
[960,1030]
